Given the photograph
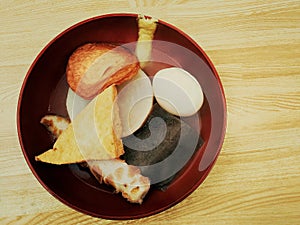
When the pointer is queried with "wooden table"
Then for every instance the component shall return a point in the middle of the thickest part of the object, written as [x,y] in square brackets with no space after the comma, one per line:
[255,46]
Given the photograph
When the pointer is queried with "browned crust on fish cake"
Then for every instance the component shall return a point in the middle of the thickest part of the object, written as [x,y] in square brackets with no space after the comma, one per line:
[83,57]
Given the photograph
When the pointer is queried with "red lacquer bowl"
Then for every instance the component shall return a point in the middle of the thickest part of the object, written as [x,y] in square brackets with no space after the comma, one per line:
[44,91]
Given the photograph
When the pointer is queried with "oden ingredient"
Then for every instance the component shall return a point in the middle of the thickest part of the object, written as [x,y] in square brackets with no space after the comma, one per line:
[90,136]
[95,66]
[177,91]
[75,104]
[126,179]
[147,28]
[135,99]
[161,147]
[55,124]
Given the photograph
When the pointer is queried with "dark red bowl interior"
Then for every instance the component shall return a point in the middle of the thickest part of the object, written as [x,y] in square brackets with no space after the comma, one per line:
[44,91]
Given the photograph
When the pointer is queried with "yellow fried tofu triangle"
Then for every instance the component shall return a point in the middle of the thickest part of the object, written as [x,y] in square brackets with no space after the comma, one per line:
[92,134]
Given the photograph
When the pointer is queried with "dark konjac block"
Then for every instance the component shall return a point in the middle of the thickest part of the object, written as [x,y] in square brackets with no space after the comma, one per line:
[161,147]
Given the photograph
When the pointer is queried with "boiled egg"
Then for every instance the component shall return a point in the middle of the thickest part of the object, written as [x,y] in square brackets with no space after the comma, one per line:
[177,91]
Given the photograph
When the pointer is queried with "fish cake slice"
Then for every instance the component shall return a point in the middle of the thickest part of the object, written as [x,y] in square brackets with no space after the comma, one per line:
[95,66]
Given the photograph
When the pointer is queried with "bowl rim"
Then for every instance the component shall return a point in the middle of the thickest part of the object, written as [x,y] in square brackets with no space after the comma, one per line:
[161,209]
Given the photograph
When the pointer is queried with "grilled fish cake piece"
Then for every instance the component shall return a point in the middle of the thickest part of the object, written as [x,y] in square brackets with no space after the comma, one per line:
[95,66]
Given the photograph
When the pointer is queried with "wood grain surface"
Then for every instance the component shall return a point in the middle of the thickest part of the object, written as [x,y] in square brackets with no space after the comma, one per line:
[255,46]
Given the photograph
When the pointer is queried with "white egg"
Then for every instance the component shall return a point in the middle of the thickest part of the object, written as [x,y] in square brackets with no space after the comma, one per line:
[75,104]
[177,91]
[135,100]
